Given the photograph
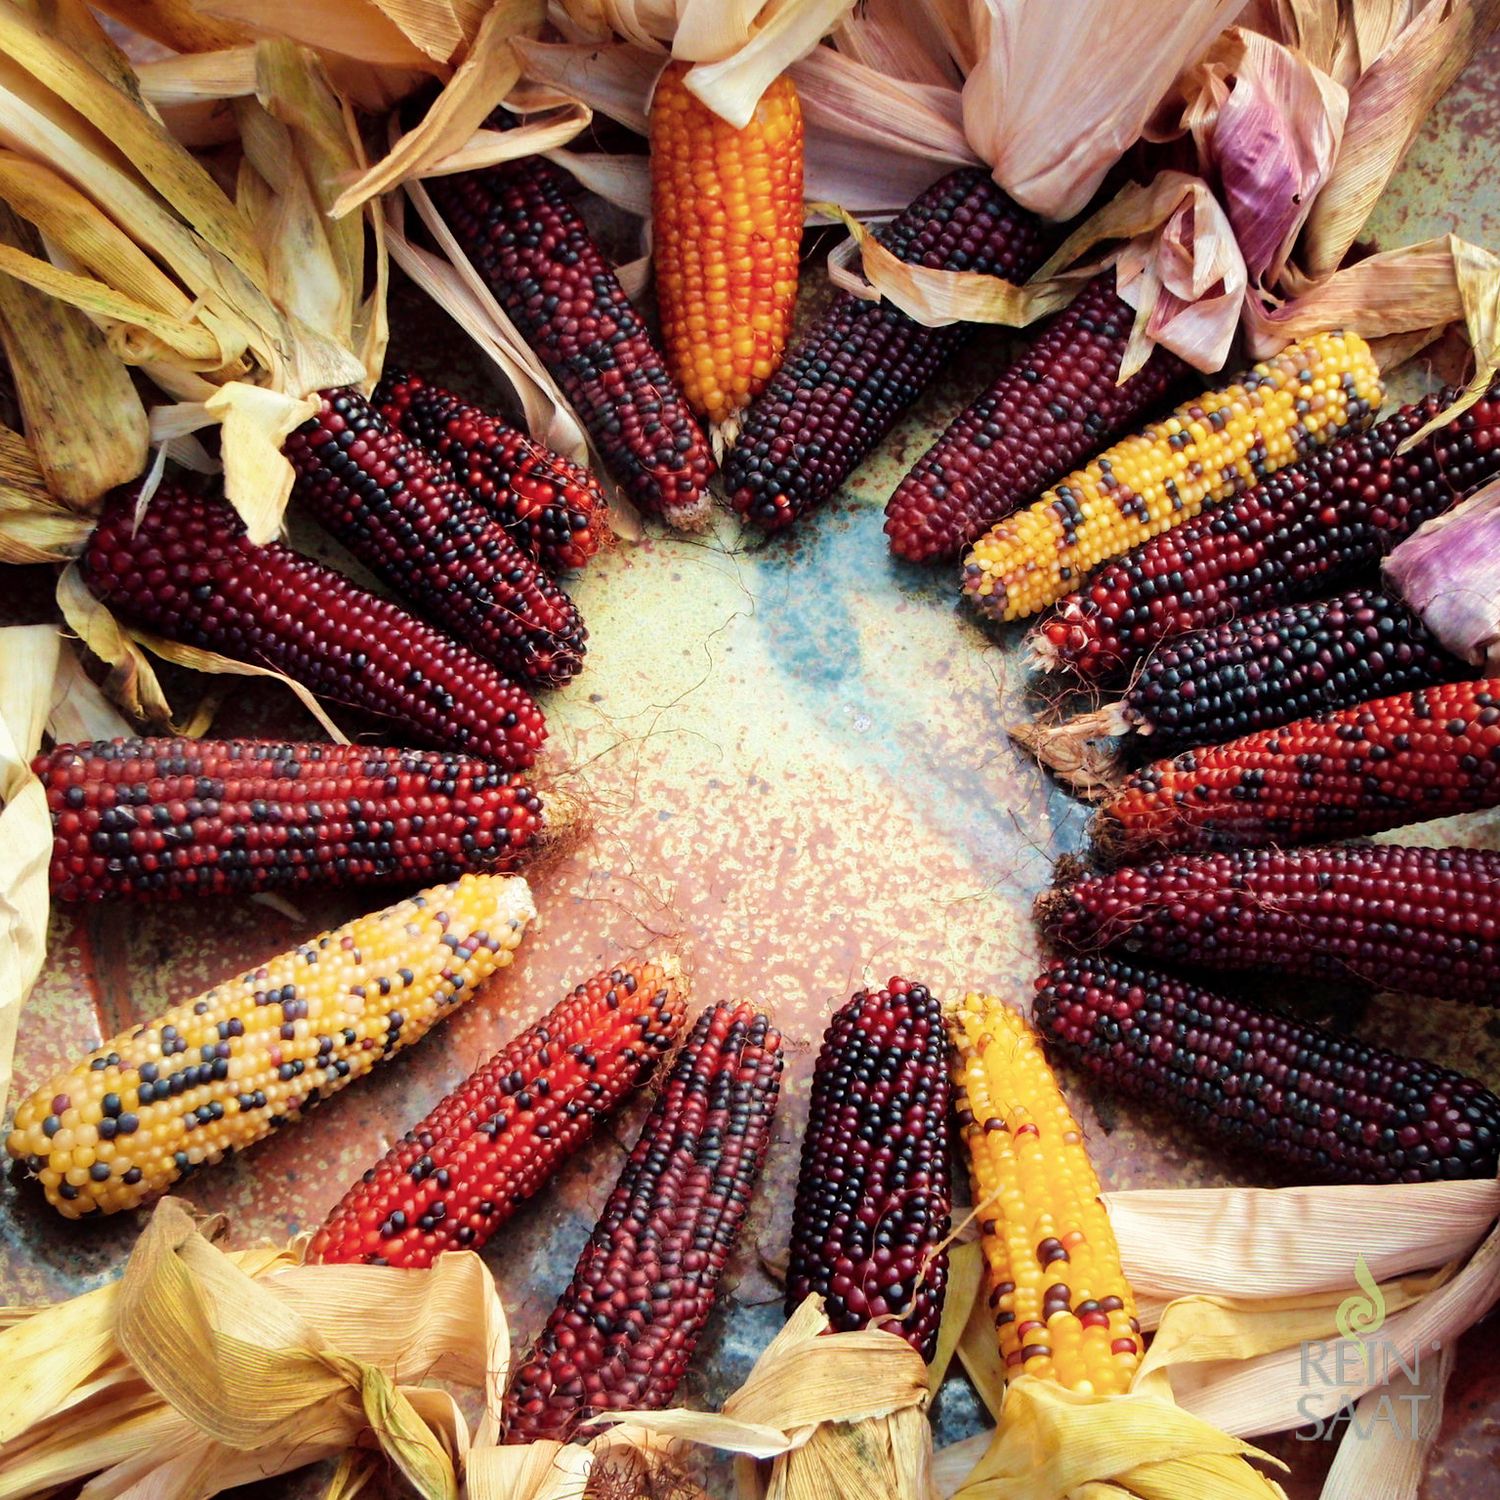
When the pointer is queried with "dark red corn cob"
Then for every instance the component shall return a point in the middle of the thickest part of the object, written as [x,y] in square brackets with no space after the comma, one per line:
[1309,528]
[1328,1107]
[1057,405]
[623,1332]
[178,817]
[1423,921]
[189,571]
[843,385]
[1402,759]
[450,1182]
[874,1194]
[552,508]
[388,501]
[518,225]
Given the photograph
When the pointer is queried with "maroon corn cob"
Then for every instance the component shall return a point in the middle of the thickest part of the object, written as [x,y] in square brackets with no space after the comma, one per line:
[388,501]
[178,817]
[451,1181]
[1402,759]
[874,1195]
[1419,920]
[1057,405]
[623,1332]
[1332,1109]
[189,571]
[552,508]
[842,386]
[1309,528]
[518,225]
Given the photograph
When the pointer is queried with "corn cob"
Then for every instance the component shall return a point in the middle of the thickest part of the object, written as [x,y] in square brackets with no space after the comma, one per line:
[177,817]
[1402,759]
[873,1194]
[726,233]
[389,502]
[189,571]
[1331,1108]
[1413,919]
[1213,447]
[451,1181]
[214,1074]
[1062,1306]
[623,1332]
[1040,416]
[1251,674]
[552,508]
[1308,529]
[518,226]
[845,383]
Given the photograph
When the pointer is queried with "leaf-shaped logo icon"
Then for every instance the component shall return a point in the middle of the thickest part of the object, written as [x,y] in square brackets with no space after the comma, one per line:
[1359,1314]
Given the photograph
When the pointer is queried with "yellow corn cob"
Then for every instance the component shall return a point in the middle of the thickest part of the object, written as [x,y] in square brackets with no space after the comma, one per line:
[1062,1306]
[216,1073]
[1217,445]
[726,227]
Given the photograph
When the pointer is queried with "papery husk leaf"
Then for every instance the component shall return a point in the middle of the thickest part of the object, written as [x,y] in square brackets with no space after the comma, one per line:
[34,528]
[257,475]
[901,41]
[965,1276]
[356,1471]
[79,710]
[613,79]
[624,181]
[489,148]
[352,28]
[132,682]
[429,25]
[178,24]
[194,78]
[75,25]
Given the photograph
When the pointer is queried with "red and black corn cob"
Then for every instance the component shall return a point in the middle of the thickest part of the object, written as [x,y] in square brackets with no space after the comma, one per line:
[1398,760]
[1057,405]
[843,385]
[179,817]
[451,1181]
[623,1332]
[1311,527]
[1422,921]
[189,571]
[391,504]
[519,227]
[1328,1107]
[874,1195]
[552,508]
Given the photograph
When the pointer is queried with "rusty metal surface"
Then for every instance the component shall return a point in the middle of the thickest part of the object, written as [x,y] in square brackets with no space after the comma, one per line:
[800,781]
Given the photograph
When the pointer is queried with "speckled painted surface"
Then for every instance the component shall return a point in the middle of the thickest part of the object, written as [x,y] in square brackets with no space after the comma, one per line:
[795,756]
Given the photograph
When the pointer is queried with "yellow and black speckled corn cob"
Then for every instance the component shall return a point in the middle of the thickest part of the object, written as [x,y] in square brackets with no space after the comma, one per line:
[1214,446]
[217,1073]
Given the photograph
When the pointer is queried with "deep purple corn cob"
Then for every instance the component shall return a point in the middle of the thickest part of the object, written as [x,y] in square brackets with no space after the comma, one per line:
[1329,1108]
[189,572]
[1312,527]
[874,1194]
[518,225]
[552,508]
[1057,405]
[1423,921]
[178,817]
[843,385]
[623,1332]
[388,501]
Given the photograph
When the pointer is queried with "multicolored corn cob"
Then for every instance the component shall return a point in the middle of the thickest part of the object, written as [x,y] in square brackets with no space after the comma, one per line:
[1330,1108]
[178,817]
[1309,528]
[553,509]
[189,571]
[214,1074]
[1402,759]
[519,227]
[726,236]
[1250,674]
[845,383]
[1062,1306]
[391,504]
[873,1195]
[1040,416]
[1213,447]
[1419,920]
[623,1332]
[451,1181]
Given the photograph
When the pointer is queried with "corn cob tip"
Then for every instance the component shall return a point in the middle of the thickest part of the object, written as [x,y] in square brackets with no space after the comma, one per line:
[1069,750]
